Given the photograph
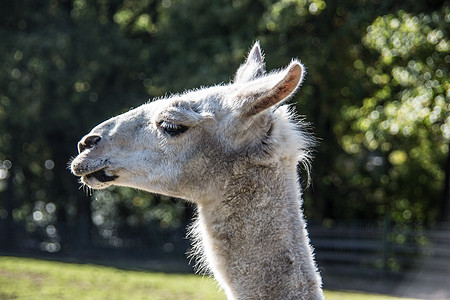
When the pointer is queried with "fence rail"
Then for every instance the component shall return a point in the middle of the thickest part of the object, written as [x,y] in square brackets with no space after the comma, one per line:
[381,248]
[353,247]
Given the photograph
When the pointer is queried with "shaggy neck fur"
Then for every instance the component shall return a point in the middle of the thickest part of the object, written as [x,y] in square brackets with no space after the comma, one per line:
[255,238]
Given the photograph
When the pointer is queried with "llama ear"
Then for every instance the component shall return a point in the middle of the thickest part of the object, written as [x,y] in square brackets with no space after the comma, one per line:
[271,90]
[253,67]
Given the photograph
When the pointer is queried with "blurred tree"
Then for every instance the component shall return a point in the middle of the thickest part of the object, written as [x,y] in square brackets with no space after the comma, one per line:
[376,92]
[63,70]
[327,36]
[402,128]
[205,42]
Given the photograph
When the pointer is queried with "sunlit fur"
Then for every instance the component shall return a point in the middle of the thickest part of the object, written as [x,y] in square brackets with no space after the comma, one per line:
[236,159]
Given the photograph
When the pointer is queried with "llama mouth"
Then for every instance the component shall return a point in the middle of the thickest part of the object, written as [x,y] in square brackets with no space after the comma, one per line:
[101,176]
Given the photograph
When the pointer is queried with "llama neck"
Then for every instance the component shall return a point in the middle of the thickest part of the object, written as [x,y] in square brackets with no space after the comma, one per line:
[255,240]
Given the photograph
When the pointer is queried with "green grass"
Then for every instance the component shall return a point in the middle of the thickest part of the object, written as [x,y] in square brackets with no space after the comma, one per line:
[25,278]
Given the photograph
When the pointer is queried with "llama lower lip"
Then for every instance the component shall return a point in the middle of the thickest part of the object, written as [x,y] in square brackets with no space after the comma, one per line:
[101,176]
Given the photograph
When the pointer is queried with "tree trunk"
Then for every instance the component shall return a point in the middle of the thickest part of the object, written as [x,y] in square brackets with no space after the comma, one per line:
[10,205]
[445,202]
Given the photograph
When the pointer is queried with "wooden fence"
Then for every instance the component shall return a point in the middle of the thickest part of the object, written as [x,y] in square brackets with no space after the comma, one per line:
[417,256]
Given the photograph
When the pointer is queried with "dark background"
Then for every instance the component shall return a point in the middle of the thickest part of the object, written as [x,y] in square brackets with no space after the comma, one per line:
[376,92]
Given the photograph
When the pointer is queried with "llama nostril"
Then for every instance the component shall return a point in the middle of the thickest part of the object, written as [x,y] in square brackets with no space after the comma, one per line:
[88,142]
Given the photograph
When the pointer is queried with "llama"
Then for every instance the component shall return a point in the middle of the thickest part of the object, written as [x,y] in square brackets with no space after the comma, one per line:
[233,150]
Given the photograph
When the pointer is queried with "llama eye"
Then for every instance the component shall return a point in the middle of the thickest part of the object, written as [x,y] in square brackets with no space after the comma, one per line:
[172,129]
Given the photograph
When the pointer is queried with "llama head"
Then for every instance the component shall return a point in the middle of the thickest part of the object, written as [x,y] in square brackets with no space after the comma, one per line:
[184,145]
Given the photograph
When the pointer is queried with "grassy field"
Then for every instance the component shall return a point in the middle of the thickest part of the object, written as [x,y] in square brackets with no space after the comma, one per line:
[24,278]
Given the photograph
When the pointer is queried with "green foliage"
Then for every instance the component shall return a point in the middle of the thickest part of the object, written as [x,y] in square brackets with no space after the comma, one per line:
[377,93]
[63,71]
[404,121]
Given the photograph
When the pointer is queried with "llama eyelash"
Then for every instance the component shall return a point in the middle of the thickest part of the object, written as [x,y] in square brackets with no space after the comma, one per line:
[168,125]
[172,129]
